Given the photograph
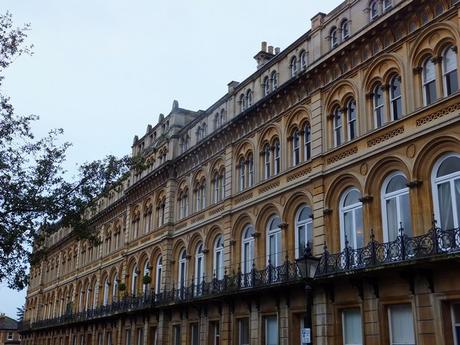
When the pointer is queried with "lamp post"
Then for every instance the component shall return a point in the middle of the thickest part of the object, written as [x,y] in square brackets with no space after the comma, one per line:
[308,265]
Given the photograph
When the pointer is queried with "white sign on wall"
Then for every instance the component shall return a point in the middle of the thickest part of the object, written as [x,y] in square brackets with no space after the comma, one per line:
[305,335]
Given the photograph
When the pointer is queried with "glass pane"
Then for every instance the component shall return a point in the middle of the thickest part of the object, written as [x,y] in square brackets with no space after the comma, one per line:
[396,87]
[430,92]
[352,198]
[456,313]
[271,330]
[352,328]
[445,206]
[244,331]
[392,219]
[304,214]
[397,182]
[405,214]
[301,239]
[449,166]
[402,325]
[451,82]
[275,223]
[429,72]
[359,227]
[348,223]
[272,249]
[450,60]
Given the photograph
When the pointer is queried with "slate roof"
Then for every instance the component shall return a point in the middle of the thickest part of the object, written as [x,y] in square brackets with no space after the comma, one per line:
[8,323]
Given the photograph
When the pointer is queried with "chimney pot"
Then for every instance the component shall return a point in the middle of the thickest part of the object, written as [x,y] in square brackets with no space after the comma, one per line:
[277,50]
[263,46]
[270,49]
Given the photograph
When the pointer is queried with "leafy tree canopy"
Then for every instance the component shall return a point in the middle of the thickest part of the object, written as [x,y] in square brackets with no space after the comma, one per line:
[36,195]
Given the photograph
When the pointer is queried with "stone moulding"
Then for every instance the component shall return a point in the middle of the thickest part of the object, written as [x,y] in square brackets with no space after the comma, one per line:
[269,186]
[436,115]
[342,154]
[242,198]
[385,136]
[295,175]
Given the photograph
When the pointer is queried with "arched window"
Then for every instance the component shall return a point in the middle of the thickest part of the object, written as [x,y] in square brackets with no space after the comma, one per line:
[242,102]
[395,97]
[115,288]
[396,212]
[182,271]
[134,280]
[266,86]
[277,157]
[351,119]
[247,249]
[387,4]
[351,219]
[446,191]
[274,80]
[183,204]
[379,106]
[295,148]
[337,119]
[199,266]
[158,274]
[267,158]
[429,82]
[307,141]
[242,177]
[334,38]
[216,186]
[146,272]
[449,71]
[345,28]
[303,60]
[273,246]
[250,170]
[248,98]
[374,9]
[105,298]
[293,66]
[219,258]
[222,117]
[303,229]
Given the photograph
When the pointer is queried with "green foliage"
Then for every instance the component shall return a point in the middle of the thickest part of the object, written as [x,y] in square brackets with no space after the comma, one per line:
[36,197]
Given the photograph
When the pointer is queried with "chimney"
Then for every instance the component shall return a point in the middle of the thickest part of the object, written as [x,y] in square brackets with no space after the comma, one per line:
[232,85]
[263,46]
[277,50]
[264,55]
[317,20]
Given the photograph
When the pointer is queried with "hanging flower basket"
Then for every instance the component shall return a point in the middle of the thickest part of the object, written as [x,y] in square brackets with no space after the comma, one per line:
[147,279]
[122,287]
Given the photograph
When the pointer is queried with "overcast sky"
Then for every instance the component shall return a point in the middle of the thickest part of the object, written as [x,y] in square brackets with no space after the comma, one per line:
[104,69]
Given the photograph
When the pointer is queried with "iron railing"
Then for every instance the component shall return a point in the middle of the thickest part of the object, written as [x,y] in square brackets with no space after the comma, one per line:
[287,273]
[403,248]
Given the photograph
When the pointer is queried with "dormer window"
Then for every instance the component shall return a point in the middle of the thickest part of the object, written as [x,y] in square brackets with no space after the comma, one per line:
[387,4]
[345,28]
[303,60]
[374,9]
[333,37]
[274,80]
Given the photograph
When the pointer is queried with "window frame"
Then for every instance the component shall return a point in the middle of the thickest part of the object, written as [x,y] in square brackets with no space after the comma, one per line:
[349,208]
[377,108]
[218,257]
[247,239]
[295,147]
[352,122]
[426,83]
[277,235]
[395,99]
[305,224]
[446,73]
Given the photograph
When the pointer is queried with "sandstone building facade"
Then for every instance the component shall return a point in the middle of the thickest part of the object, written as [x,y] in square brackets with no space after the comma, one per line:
[346,144]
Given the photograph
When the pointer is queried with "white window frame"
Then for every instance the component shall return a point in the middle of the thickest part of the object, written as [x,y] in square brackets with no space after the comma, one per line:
[293,66]
[345,28]
[295,148]
[266,86]
[390,328]
[384,197]
[338,124]
[158,274]
[242,177]
[199,266]
[333,36]
[247,241]
[352,122]
[115,288]
[393,98]
[302,226]
[218,259]
[426,82]
[105,299]
[182,270]
[250,170]
[134,280]
[344,209]
[277,157]
[373,16]
[267,163]
[307,142]
[276,234]
[435,181]
[344,329]
[378,107]
[446,71]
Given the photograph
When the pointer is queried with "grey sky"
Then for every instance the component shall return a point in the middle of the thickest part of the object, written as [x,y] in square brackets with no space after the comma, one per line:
[103,70]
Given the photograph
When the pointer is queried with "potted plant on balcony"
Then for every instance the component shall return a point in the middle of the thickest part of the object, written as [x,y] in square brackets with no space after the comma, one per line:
[122,287]
[146,279]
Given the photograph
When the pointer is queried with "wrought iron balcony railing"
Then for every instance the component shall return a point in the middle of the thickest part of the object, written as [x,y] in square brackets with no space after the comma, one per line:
[271,276]
[402,249]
